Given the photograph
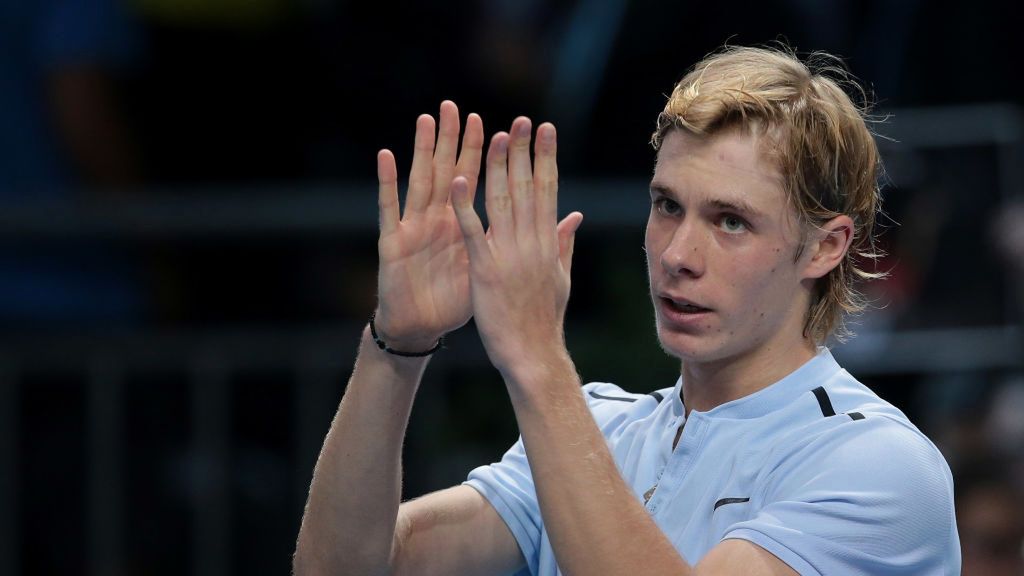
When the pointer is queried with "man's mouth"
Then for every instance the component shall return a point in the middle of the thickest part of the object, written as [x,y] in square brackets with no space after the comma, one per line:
[683,306]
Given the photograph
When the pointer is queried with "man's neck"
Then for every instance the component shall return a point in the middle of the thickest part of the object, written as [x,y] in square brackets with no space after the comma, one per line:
[710,384]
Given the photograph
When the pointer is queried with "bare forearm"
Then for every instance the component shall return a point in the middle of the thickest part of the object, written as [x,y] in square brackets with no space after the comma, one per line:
[520,282]
[349,526]
[596,524]
[349,522]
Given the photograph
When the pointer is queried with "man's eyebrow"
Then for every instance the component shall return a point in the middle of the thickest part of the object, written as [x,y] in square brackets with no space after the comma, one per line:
[661,189]
[735,205]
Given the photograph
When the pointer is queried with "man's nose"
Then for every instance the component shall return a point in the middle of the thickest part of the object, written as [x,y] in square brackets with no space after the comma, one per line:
[684,254]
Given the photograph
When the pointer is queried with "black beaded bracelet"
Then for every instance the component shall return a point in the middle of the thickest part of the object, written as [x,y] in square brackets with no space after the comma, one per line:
[389,350]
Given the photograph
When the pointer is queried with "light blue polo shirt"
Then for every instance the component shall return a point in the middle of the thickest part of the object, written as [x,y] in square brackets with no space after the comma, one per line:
[815,468]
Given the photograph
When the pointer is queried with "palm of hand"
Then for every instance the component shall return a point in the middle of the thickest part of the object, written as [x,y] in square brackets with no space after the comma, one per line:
[423,278]
[424,272]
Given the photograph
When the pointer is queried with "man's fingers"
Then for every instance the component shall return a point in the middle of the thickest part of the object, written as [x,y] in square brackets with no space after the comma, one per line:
[472,151]
[421,173]
[444,153]
[545,176]
[387,192]
[498,202]
[567,238]
[469,222]
[520,177]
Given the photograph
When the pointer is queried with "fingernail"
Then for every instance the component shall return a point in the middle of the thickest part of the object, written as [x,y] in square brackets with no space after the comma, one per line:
[502,145]
[547,134]
[523,129]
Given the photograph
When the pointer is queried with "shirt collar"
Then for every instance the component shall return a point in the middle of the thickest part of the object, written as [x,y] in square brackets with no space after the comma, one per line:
[773,397]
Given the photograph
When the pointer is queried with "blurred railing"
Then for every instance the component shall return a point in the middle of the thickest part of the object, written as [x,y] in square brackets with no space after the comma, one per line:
[318,357]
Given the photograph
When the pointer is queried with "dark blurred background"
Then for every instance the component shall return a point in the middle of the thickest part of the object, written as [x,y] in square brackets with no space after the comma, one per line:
[188,227]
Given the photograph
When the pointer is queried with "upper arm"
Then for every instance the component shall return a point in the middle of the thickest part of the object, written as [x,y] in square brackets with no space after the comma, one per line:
[742,557]
[453,531]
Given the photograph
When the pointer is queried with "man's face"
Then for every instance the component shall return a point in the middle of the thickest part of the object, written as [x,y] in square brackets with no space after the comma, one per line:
[721,248]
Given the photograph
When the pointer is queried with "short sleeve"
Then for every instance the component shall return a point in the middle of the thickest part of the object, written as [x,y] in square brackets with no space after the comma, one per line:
[868,496]
[508,484]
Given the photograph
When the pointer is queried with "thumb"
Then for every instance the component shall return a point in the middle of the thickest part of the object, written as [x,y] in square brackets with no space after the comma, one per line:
[567,238]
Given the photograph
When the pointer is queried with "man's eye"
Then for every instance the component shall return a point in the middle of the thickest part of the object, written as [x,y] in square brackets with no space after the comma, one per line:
[667,207]
[733,224]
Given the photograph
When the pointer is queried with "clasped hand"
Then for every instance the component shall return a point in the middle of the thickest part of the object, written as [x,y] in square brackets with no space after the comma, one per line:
[438,265]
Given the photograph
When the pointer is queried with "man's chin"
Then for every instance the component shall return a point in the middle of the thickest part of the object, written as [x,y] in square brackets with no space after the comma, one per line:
[684,347]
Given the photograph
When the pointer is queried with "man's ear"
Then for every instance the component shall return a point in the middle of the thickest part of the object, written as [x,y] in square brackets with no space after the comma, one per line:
[827,246]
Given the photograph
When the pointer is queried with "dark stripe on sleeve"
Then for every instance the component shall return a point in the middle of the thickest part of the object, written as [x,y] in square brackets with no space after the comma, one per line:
[855,415]
[725,501]
[824,402]
[657,396]
[619,398]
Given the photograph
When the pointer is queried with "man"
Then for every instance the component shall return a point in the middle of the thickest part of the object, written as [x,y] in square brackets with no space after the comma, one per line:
[765,458]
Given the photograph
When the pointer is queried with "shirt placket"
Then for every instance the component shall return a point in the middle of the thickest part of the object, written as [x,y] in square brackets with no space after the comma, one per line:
[680,462]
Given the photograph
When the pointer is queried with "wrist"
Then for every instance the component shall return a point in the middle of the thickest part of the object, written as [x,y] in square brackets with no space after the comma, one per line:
[402,366]
[409,346]
[540,371]
[522,352]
